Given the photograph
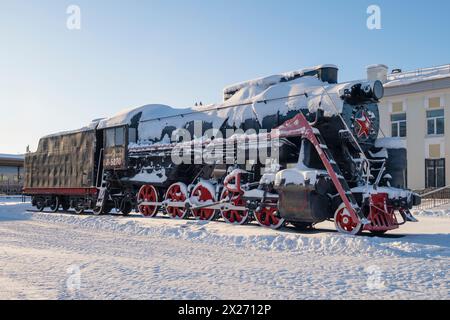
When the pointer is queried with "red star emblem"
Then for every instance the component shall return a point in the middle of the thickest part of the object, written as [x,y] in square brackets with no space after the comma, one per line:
[364,125]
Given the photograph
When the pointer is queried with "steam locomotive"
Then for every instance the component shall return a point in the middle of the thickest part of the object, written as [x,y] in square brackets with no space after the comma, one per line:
[297,148]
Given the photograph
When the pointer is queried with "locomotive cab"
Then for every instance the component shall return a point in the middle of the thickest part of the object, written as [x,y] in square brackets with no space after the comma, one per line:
[113,163]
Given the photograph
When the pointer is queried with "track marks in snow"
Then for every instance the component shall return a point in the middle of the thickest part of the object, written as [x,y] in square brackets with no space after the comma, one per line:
[254,237]
[128,258]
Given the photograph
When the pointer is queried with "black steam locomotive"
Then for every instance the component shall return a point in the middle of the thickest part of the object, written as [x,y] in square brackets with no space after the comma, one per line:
[294,148]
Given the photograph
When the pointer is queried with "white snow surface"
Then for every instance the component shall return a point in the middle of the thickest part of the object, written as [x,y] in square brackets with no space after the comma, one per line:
[136,258]
[391,143]
[150,175]
[393,193]
[438,212]
[299,176]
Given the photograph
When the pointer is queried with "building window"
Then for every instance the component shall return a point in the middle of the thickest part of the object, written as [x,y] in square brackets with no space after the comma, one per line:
[397,107]
[398,122]
[435,122]
[435,173]
[434,103]
[434,151]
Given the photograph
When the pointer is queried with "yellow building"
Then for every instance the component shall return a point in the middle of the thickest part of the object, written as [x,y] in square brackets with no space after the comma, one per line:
[415,109]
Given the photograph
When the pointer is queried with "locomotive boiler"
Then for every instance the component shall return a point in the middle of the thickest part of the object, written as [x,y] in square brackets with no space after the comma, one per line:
[297,148]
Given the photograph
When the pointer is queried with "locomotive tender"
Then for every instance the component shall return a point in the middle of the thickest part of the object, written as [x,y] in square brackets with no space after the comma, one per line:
[322,159]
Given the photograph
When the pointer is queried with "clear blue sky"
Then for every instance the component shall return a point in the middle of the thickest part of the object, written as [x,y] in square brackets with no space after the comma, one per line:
[130,53]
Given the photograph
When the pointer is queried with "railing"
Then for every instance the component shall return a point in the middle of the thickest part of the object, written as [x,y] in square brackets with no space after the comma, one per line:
[433,71]
[434,198]
[11,188]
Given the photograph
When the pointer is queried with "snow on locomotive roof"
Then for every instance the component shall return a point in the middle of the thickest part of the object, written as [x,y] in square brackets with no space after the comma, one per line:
[309,89]
[89,127]
[307,92]
[251,102]
[148,112]
[274,79]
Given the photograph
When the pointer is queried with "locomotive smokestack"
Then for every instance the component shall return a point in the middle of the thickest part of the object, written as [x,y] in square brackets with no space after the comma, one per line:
[377,72]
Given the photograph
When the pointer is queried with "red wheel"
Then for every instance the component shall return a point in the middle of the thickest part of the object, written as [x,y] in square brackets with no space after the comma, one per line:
[148,193]
[238,217]
[268,217]
[176,193]
[203,194]
[344,222]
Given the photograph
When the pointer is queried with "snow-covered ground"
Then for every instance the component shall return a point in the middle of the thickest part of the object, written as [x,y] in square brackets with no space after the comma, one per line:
[62,256]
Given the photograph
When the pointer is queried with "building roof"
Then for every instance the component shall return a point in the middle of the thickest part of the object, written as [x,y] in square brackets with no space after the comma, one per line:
[419,75]
[12,159]
[427,79]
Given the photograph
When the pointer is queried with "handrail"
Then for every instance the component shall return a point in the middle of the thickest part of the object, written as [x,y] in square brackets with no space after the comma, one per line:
[100,160]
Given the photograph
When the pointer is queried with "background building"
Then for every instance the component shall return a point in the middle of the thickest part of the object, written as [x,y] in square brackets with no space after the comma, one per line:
[11,173]
[415,109]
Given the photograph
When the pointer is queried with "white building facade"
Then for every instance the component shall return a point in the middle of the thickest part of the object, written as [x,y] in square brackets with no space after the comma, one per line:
[415,109]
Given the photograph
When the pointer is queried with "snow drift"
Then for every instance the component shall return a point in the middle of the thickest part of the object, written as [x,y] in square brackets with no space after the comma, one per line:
[257,238]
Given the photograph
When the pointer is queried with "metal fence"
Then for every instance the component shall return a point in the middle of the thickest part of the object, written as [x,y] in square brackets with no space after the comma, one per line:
[10,188]
[434,198]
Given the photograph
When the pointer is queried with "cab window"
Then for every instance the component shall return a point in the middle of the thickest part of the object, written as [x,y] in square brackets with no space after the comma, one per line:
[115,137]
[110,138]
[120,136]
[132,135]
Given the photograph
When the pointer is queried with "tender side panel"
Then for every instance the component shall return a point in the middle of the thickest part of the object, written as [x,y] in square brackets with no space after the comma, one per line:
[63,161]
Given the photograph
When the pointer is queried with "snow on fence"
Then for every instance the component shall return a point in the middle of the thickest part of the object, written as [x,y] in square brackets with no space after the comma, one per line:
[434,198]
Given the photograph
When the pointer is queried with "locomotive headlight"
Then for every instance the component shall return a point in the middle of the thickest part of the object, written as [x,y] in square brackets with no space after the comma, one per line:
[378,90]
